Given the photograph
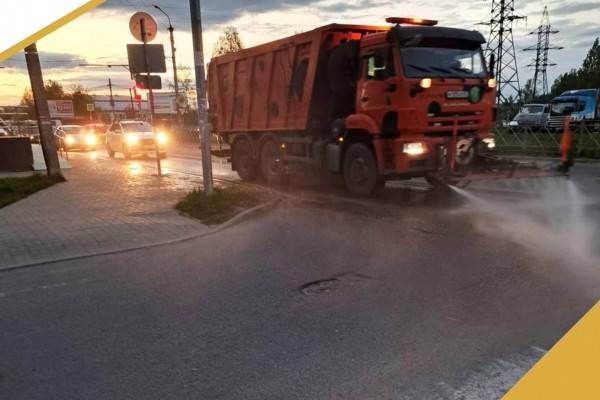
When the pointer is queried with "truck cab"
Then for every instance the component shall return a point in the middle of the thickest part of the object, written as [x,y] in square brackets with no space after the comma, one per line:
[534,116]
[422,90]
[579,105]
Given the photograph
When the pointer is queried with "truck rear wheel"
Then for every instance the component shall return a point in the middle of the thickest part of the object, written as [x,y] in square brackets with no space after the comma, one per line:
[243,161]
[360,171]
[269,162]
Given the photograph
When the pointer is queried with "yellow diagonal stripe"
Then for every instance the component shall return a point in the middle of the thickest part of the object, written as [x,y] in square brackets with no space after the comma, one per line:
[50,28]
[570,370]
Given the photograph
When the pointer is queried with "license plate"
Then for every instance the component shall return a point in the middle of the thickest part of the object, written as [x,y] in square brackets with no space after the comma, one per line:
[457,94]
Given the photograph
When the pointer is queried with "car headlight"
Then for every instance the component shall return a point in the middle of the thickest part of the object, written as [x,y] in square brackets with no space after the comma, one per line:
[70,140]
[91,140]
[490,142]
[132,138]
[414,149]
[161,138]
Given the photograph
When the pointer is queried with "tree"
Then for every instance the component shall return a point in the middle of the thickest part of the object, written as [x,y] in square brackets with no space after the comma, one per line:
[53,90]
[527,93]
[228,42]
[586,77]
[81,98]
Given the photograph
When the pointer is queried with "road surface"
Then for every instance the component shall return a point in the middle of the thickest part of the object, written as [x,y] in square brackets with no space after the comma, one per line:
[409,296]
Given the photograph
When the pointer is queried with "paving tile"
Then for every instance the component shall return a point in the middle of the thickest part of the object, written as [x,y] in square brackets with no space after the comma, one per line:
[103,207]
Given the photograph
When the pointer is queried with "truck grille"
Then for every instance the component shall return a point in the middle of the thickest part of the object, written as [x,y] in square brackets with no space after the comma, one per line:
[556,122]
[443,124]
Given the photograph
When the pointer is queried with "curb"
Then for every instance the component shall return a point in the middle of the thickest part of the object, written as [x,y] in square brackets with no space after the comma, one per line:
[237,219]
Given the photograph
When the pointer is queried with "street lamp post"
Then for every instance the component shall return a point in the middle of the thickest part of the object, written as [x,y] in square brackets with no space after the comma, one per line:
[175,82]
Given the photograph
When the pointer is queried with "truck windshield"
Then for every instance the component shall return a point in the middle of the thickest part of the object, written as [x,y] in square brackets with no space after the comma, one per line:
[423,62]
[530,109]
[563,108]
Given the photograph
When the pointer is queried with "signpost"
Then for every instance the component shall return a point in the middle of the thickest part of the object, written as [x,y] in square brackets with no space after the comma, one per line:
[143,27]
[90,108]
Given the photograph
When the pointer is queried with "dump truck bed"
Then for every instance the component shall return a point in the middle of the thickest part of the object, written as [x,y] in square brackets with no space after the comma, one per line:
[278,86]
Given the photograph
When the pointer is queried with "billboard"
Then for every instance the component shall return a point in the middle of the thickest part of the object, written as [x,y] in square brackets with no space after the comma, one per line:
[164,103]
[61,108]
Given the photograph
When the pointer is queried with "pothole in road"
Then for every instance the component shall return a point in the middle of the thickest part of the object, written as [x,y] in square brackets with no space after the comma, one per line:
[337,282]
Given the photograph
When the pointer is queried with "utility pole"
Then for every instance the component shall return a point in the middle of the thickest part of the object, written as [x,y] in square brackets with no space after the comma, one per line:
[196,15]
[542,48]
[175,82]
[41,106]
[501,44]
[116,65]
[112,100]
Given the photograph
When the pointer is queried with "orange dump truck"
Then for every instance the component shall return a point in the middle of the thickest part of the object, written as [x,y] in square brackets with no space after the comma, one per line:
[370,103]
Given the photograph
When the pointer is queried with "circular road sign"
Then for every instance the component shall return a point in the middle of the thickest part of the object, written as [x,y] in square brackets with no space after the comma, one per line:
[150,26]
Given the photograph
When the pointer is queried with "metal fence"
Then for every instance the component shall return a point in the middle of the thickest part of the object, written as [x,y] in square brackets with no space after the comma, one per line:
[544,142]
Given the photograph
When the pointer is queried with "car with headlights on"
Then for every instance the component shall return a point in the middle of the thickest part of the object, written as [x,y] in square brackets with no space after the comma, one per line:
[98,129]
[75,137]
[134,137]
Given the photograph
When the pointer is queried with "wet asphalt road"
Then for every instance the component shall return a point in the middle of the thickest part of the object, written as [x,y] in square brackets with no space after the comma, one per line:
[409,296]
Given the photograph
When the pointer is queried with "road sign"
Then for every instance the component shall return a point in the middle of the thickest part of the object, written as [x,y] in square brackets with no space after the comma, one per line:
[26,21]
[61,108]
[142,81]
[150,26]
[155,54]
[89,107]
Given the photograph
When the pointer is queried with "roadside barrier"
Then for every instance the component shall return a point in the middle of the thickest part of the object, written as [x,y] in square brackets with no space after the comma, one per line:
[545,142]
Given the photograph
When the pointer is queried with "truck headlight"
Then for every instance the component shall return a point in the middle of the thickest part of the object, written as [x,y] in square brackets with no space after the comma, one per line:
[132,138]
[69,140]
[414,149]
[161,138]
[425,83]
[490,142]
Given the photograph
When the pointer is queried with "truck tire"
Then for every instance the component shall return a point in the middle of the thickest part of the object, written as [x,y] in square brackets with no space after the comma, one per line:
[243,161]
[269,162]
[360,171]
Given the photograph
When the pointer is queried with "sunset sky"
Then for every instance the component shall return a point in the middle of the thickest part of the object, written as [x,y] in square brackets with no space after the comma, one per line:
[100,36]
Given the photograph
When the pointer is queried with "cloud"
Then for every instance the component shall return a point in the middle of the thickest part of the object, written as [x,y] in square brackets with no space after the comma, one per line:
[214,12]
[577,7]
[49,61]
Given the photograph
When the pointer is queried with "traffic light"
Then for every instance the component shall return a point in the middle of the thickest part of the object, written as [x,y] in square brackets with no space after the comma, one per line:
[137,97]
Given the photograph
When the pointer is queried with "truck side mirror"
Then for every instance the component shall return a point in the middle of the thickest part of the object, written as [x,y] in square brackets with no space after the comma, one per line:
[492,64]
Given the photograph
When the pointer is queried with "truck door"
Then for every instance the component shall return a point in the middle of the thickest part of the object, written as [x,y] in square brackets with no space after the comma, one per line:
[376,82]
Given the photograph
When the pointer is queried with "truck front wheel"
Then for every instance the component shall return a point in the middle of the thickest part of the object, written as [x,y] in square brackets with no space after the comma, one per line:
[270,163]
[243,161]
[360,171]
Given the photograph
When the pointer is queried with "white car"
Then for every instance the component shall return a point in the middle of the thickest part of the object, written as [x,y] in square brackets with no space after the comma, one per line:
[134,137]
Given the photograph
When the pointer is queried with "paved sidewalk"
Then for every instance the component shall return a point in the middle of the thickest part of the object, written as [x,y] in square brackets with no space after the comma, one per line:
[106,205]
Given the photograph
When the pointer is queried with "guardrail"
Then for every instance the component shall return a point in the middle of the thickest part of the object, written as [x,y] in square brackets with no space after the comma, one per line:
[544,142]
